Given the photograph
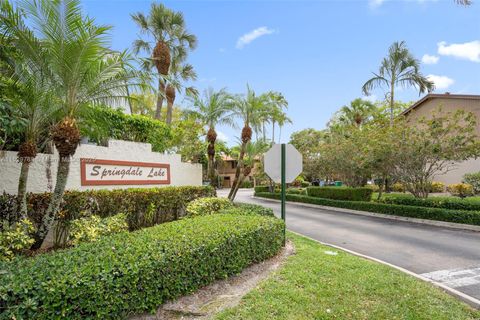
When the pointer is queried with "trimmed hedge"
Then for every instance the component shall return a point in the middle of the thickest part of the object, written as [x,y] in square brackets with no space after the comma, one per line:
[341,193]
[261,189]
[143,206]
[248,209]
[129,273]
[457,216]
[433,202]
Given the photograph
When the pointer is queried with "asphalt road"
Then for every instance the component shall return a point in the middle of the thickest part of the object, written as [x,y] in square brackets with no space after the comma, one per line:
[448,256]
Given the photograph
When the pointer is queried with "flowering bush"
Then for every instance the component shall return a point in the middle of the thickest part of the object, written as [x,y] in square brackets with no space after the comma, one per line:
[89,229]
[437,187]
[16,238]
[461,190]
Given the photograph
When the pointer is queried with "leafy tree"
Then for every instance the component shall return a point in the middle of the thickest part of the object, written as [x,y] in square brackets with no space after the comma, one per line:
[432,146]
[213,109]
[307,142]
[171,39]
[72,53]
[399,68]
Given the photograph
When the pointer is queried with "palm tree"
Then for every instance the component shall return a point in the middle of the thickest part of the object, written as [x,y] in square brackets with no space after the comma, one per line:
[399,68]
[179,71]
[253,152]
[212,110]
[275,110]
[169,33]
[464,2]
[282,120]
[248,108]
[72,53]
[357,113]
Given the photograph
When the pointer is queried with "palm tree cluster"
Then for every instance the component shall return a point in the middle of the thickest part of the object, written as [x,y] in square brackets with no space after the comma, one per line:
[254,111]
[65,65]
[168,49]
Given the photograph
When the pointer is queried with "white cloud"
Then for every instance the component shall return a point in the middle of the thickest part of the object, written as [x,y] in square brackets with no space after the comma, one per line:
[222,136]
[428,59]
[441,82]
[252,35]
[468,50]
[375,3]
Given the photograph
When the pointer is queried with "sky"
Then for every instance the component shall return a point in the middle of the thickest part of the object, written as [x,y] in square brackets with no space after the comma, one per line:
[317,53]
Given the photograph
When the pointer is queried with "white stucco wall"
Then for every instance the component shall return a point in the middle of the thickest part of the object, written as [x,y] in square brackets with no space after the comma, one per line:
[181,173]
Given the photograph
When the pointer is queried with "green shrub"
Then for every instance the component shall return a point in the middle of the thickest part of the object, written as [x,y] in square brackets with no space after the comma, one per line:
[432,202]
[205,206]
[143,207]
[437,187]
[247,209]
[91,228]
[297,191]
[461,190]
[474,180]
[398,187]
[100,123]
[15,239]
[246,184]
[457,216]
[305,184]
[134,272]
[261,189]
[341,193]
[374,187]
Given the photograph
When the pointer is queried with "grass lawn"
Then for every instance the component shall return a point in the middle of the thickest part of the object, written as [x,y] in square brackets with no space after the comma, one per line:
[316,285]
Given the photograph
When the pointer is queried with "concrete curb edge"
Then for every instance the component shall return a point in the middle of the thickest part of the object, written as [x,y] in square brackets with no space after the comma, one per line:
[460,295]
[450,225]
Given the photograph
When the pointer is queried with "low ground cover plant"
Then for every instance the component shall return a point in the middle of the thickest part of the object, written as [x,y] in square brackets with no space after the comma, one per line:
[15,239]
[341,193]
[137,271]
[457,216]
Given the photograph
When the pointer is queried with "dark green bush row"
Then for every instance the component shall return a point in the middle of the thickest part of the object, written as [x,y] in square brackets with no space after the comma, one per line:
[261,189]
[143,207]
[100,123]
[341,193]
[432,202]
[135,272]
[457,216]
[297,191]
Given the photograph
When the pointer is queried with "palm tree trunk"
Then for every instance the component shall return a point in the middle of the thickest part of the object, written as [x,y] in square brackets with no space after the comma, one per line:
[392,101]
[240,181]
[160,98]
[264,131]
[169,111]
[238,170]
[279,133]
[211,171]
[49,217]
[22,189]
[273,131]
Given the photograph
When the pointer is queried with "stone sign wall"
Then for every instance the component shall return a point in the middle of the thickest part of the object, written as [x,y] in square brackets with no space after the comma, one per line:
[122,164]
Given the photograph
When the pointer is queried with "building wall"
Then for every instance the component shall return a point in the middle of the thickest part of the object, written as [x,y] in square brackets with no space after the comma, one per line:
[181,173]
[451,105]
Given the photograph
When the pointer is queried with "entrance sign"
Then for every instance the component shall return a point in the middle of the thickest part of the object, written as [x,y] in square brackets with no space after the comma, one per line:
[95,172]
[293,163]
[283,163]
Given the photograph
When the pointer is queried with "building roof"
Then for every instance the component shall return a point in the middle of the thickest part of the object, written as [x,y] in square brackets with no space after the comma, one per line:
[442,96]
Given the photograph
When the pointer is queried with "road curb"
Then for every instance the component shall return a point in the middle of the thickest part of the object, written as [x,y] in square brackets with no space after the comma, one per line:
[475,303]
[450,225]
